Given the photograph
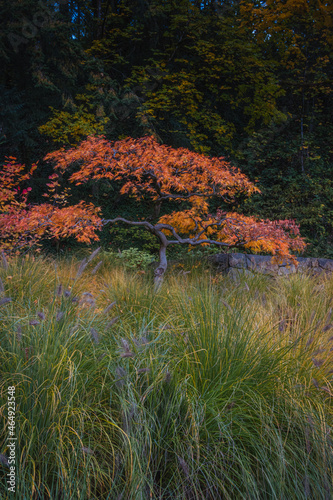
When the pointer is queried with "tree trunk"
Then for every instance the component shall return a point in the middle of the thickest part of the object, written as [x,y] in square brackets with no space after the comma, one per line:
[162,266]
[157,209]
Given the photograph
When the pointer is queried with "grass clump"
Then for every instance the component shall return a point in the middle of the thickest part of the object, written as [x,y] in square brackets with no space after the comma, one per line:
[208,389]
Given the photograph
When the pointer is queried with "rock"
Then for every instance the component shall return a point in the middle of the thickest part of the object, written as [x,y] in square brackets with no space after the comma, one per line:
[262,264]
[304,264]
[234,263]
[326,264]
[237,260]
[221,260]
[286,270]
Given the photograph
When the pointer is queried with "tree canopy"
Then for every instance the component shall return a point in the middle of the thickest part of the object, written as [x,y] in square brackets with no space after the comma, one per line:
[159,173]
[249,81]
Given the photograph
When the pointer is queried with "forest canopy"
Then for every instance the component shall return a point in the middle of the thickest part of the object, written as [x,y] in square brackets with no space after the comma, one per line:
[248,81]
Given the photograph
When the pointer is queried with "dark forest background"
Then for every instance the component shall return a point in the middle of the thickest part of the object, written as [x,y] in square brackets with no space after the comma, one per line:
[250,80]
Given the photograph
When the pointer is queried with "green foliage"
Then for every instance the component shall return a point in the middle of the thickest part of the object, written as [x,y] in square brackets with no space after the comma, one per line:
[125,237]
[204,81]
[289,191]
[102,107]
[132,258]
[136,259]
[181,252]
[41,64]
[71,128]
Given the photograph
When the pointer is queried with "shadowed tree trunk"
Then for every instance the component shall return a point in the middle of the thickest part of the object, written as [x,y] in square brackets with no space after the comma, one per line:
[164,242]
[157,230]
[163,262]
[159,173]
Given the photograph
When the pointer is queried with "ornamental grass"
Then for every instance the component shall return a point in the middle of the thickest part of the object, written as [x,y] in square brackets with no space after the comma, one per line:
[209,389]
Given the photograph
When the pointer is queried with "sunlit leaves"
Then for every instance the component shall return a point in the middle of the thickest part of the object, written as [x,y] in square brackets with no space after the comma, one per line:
[160,173]
[23,225]
[148,168]
[70,128]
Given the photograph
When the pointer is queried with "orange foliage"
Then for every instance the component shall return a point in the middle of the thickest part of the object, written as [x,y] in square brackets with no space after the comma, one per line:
[275,237]
[150,169]
[23,225]
[10,177]
[147,170]
[158,172]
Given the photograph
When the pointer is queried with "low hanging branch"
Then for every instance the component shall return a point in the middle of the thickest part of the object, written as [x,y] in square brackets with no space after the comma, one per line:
[159,173]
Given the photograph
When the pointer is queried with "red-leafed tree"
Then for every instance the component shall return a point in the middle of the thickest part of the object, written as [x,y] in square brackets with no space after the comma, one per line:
[23,225]
[160,173]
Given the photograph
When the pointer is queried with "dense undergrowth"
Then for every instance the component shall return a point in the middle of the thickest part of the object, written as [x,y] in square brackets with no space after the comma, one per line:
[208,389]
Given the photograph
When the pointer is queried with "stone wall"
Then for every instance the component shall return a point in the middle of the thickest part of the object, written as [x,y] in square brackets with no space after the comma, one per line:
[234,263]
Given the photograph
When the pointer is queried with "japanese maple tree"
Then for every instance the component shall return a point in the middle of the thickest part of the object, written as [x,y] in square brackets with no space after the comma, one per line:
[160,174]
[23,225]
